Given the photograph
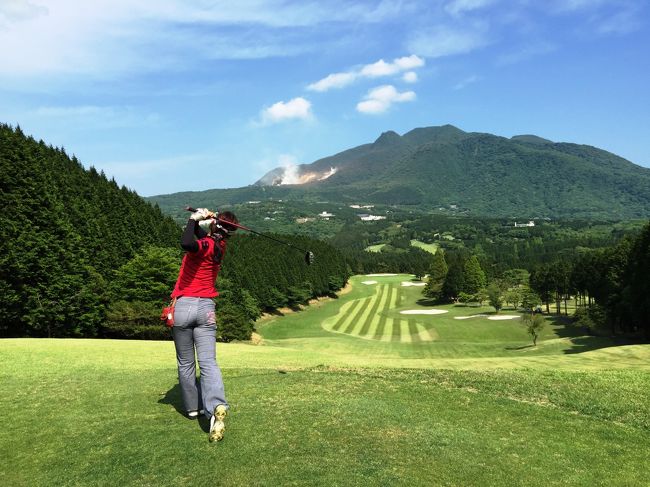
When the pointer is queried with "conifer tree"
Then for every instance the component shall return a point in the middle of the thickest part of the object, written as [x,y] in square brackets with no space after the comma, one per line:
[437,275]
[474,276]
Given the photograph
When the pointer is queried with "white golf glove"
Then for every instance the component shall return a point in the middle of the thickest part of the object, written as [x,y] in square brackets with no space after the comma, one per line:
[201,214]
[206,225]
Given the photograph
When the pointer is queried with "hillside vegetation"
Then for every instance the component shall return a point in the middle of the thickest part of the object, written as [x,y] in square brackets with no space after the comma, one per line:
[64,230]
[81,256]
[482,174]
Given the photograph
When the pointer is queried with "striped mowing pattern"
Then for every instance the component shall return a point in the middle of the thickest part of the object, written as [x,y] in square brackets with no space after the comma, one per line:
[370,318]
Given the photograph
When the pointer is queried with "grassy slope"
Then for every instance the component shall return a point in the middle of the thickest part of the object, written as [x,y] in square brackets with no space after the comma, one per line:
[471,408]
[375,248]
[431,248]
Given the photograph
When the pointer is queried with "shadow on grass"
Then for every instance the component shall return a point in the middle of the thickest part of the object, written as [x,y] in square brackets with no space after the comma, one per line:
[173,397]
[581,340]
[589,343]
[520,348]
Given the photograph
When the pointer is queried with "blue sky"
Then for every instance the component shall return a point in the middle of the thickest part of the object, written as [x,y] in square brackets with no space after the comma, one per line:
[175,95]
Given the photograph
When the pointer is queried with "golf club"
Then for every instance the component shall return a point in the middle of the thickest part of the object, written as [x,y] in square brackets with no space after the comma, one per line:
[309,256]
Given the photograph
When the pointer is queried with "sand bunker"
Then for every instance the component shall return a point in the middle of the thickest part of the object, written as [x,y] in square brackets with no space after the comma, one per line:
[423,312]
[369,282]
[379,275]
[504,317]
[467,317]
[409,283]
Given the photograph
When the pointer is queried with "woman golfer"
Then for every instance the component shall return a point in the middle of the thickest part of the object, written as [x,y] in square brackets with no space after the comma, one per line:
[194,319]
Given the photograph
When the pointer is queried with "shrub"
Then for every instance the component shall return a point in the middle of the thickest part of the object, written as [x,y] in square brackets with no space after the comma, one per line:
[232,323]
[132,331]
[592,318]
[134,320]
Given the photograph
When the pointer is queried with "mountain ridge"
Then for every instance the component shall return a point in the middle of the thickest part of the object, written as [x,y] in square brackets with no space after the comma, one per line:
[482,173]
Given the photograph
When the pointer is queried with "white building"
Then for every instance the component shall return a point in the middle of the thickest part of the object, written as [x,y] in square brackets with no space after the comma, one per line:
[369,218]
[529,224]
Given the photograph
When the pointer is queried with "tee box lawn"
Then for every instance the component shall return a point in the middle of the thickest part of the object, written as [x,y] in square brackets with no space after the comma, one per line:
[383,398]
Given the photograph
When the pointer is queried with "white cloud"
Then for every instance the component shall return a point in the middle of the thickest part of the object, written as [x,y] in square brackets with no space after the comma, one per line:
[458,7]
[336,80]
[380,68]
[164,175]
[295,109]
[92,116]
[122,170]
[104,38]
[410,77]
[380,99]
[19,10]
[466,82]
[623,22]
[525,52]
[374,70]
[409,62]
[572,5]
[446,41]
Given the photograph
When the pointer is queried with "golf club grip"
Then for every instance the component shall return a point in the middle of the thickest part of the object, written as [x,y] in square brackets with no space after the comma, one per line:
[216,215]
[193,210]
[309,256]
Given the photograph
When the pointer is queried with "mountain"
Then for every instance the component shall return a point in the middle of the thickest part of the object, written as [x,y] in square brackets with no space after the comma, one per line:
[480,173]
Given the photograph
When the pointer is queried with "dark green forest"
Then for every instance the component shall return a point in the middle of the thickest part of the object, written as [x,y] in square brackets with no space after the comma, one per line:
[608,286]
[83,257]
[64,231]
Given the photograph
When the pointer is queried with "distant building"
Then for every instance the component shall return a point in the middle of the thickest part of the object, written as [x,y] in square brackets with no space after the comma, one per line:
[304,220]
[253,202]
[529,224]
[369,218]
[325,215]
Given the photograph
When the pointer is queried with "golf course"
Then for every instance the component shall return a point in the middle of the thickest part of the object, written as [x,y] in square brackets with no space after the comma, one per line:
[374,387]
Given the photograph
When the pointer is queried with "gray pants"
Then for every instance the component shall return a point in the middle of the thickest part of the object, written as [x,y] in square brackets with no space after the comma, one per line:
[195,329]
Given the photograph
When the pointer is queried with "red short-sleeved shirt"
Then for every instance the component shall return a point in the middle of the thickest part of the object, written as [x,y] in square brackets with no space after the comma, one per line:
[199,270]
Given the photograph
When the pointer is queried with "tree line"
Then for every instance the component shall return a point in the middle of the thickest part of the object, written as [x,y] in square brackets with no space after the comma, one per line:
[81,256]
[610,286]
[257,275]
[64,229]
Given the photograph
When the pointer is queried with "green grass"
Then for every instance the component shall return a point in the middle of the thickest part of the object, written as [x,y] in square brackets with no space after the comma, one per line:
[375,248]
[432,247]
[469,403]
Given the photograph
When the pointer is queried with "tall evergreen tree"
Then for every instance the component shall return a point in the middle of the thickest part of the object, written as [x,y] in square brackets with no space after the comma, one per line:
[474,276]
[437,275]
[637,288]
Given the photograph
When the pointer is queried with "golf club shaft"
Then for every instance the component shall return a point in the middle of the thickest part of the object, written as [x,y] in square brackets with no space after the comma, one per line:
[189,208]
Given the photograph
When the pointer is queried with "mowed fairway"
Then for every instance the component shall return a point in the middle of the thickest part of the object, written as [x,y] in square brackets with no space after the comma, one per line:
[351,391]
[374,318]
